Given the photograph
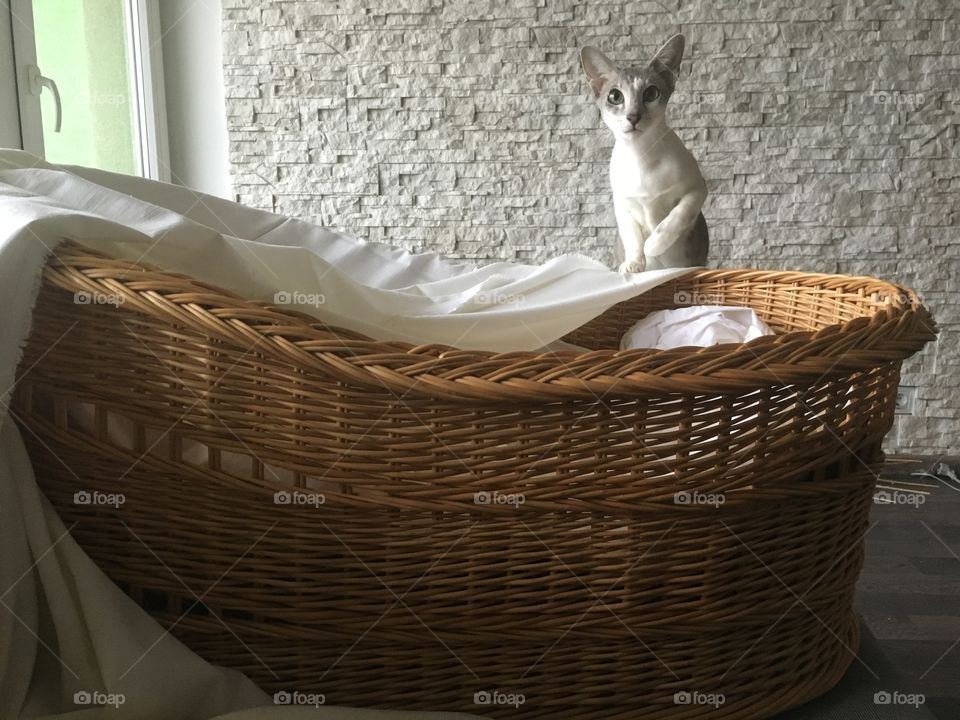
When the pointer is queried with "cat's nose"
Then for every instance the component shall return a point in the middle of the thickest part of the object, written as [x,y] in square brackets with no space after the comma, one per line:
[632,119]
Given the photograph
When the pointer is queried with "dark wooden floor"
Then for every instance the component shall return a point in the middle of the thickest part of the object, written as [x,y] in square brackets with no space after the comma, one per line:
[909,593]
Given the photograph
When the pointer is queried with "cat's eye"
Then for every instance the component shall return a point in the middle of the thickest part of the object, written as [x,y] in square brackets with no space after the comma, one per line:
[651,94]
[615,97]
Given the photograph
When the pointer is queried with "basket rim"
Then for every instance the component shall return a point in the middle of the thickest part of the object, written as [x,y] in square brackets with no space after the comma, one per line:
[898,329]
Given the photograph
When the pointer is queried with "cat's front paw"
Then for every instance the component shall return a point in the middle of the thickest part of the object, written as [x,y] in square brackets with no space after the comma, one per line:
[636,265]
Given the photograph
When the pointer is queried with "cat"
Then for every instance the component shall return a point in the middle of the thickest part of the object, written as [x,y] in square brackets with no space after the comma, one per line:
[658,190]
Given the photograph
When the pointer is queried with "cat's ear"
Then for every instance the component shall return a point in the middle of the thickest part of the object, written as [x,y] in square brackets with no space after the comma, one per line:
[670,55]
[598,68]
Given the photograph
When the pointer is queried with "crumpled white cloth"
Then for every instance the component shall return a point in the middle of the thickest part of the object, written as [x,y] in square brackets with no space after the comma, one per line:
[64,627]
[697,325]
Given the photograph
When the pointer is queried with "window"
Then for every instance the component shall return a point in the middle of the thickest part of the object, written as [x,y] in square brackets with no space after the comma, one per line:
[89,83]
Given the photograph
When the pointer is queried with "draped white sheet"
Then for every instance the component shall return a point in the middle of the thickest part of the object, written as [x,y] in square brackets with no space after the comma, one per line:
[64,627]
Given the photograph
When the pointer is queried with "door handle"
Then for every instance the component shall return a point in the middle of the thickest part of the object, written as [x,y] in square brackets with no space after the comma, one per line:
[35,84]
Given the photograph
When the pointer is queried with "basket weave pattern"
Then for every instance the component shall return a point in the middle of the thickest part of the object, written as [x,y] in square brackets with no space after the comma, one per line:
[597,531]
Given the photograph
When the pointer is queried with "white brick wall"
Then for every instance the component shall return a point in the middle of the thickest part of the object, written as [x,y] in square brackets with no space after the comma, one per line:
[465,126]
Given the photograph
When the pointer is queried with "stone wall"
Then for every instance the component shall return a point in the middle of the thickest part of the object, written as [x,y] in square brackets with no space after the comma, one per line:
[827,132]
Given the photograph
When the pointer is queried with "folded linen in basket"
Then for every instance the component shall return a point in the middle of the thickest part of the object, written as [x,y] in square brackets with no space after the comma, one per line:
[697,325]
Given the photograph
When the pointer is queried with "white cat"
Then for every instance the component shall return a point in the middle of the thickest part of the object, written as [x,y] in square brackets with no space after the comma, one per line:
[657,186]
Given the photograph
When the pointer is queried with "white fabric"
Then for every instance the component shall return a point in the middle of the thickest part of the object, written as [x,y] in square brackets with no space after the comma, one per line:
[64,627]
[697,325]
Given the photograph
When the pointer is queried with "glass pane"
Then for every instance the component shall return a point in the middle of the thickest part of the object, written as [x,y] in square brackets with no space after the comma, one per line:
[82,46]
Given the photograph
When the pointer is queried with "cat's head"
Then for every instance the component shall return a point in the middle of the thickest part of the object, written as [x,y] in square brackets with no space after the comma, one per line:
[634,99]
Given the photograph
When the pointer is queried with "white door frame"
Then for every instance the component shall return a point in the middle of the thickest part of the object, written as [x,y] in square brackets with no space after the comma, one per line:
[25,57]
[9,104]
[146,79]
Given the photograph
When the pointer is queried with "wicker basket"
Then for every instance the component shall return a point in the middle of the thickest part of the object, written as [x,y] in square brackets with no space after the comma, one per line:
[600,535]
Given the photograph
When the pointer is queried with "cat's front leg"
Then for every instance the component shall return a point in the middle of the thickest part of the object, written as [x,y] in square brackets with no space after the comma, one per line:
[631,236]
[676,225]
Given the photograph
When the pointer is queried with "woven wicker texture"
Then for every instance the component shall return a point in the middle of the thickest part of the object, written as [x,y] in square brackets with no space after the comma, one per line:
[597,531]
